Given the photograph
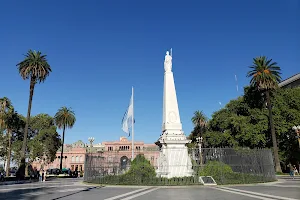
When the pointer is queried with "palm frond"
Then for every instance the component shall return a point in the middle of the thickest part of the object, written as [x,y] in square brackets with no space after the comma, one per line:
[65,117]
[199,118]
[264,73]
[35,65]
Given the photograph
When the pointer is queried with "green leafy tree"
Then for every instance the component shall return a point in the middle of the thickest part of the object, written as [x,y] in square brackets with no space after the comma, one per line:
[3,144]
[243,122]
[12,121]
[36,68]
[141,167]
[64,118]
[265,75]
[15,128]
[9,120]
[238,125]
[45,140]
[286,114]
[16,151]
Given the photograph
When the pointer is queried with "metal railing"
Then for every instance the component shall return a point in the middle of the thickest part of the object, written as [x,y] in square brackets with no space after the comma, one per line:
[226,165]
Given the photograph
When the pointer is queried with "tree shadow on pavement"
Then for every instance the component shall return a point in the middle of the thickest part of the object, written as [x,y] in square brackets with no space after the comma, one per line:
[38,193]
[84,190]
[20,193]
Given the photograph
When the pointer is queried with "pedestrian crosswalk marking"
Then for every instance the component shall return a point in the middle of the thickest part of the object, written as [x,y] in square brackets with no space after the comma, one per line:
[126,194]
[37,193]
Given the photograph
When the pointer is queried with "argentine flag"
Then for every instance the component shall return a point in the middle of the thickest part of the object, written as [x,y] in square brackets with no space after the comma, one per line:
[127,120]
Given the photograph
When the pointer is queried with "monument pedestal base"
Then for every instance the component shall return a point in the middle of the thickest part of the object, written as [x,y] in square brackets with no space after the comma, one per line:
[174,160]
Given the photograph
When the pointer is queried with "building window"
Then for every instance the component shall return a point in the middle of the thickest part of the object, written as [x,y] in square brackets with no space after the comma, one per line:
[77,158]
[152,158]
[73,159]
[110,148]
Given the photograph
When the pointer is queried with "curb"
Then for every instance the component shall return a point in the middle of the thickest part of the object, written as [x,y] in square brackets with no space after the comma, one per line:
[143,186]
[179,186]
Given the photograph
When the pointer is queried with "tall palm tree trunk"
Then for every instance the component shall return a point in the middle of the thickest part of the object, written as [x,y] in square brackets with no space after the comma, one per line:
[8,152]
[32,84]
[62,148]
[276,157]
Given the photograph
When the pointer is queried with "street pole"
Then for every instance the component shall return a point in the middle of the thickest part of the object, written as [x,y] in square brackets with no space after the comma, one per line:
[199,141]
[200,148]
[91,140]
[132,129]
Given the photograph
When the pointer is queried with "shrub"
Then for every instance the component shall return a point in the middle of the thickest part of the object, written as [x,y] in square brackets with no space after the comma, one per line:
[223,174]
[216,169]
[141,167]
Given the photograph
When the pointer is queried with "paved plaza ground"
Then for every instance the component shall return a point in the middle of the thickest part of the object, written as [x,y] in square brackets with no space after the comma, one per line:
[73,189]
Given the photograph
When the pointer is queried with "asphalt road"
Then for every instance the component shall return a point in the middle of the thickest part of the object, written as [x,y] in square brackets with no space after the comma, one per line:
[73,189]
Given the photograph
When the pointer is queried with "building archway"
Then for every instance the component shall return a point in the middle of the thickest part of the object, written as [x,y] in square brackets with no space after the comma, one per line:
[124,162]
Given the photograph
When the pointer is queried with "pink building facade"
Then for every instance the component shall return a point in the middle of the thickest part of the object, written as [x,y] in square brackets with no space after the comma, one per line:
[123,148]
[73,156]
[116,153]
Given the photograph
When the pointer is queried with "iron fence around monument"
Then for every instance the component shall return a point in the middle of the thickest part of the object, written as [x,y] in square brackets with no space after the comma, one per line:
[225,165]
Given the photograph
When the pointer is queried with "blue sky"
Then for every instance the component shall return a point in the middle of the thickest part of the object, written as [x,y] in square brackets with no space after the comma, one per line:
[99,49]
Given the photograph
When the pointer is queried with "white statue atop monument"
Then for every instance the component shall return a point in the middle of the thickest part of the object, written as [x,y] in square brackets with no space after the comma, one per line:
[168,62]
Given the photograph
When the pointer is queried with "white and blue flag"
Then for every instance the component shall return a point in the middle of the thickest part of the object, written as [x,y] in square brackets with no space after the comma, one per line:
[127,120]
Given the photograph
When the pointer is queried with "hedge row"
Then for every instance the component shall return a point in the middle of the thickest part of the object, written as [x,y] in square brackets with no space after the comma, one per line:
[225,179]
[136,180]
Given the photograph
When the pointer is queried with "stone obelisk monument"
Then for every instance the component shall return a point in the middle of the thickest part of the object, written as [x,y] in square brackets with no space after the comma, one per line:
[173,160]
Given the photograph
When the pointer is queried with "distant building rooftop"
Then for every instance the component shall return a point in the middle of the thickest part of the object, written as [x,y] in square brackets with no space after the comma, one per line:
[291,82]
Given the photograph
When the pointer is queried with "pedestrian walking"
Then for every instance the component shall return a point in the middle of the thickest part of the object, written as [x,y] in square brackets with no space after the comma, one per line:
[76,172]
[40,175]
[291,170]
[45,173]
[295,170]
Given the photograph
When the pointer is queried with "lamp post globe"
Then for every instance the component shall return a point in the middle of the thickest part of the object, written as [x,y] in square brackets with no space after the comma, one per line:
[91,140]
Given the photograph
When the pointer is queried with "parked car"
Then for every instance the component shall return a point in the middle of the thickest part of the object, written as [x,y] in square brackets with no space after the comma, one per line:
[54,171]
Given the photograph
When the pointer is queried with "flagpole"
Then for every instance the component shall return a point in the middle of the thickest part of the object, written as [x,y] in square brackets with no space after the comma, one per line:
[132,130]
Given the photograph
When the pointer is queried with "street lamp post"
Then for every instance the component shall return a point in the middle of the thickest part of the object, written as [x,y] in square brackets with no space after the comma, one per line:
[91,140]
[199,141]
[297,131]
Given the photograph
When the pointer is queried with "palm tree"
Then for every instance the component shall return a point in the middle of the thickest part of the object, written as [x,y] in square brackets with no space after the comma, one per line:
[6,110]
[64,118]
[5,104]
[265,75]
[36,68]
[11,122]
[199,119]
